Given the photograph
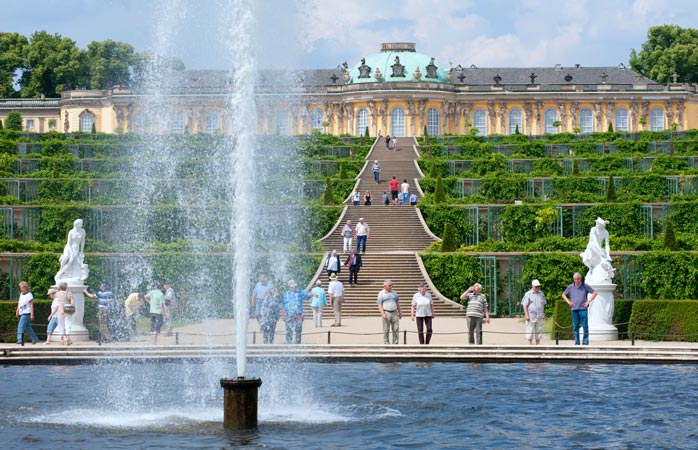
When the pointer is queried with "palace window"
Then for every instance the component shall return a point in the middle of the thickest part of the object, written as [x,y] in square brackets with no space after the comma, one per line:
[361,121]
[30,124]
[86,122]
[433,125]
[282,128]
[586,120]
[621,122]
[316,119]
[212,122]
[141,123]
[657,119]
[480,122]
[177,122]
[549,117]
[397,121]
[515,118]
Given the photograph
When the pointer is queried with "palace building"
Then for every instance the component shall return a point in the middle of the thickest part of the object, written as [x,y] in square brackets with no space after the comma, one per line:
[396,91]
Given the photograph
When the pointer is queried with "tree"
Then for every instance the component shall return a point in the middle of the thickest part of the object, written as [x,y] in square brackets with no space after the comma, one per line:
[109,63]
[52,65]
[439,192]
[610,127]
[670,237]
[0,124]
[668,48]
[575,167]
[449,243]
[610,190]
[13,121]
[328,195]
[12,49]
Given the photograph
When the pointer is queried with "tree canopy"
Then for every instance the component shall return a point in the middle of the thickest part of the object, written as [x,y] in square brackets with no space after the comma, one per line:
[47,64]
[668,48]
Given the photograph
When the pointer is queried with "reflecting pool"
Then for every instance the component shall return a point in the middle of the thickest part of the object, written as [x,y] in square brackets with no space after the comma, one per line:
[354,406]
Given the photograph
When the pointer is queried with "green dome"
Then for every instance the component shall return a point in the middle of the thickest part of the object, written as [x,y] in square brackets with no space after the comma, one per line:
[388,57]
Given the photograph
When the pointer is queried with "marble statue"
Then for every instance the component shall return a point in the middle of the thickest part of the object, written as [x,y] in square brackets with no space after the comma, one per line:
[73,267]
[597,256]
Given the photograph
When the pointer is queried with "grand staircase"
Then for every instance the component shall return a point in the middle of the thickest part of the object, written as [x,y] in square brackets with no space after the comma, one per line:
[396,235]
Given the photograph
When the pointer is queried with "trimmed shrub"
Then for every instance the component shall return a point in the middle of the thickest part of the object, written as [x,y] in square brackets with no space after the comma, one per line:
[665,320]
[450,241]
[439,192]
[13,121]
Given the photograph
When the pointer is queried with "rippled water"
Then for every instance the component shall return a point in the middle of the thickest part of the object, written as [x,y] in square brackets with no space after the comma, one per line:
[354,406]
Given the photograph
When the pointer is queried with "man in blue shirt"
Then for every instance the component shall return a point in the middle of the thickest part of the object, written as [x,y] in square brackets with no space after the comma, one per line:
[105,302]
[576,295]
[292,304]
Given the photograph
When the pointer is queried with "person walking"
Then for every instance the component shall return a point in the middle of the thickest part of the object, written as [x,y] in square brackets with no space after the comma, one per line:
[66,311]
[132,310]
[389,307]
[336,293]
[577,296]
[318,303]
[362,232]
[533,303]
[405,191]
[356,197]
[269,314]
[423,310]
[25,314]
[292,311]
[387,141]
[477,309]
[334,264]
[170,303]
[354,263]
[53,317]
[347,235]
[259,293]
[155,299]
[376,171]
[394,184]
[105,303]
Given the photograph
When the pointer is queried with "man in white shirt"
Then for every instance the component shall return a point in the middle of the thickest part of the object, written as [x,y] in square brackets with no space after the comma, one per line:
[362,231]
[534,308]
[336,293]
[405,189]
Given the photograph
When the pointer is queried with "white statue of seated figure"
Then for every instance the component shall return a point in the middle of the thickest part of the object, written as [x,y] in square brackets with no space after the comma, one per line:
[597,256]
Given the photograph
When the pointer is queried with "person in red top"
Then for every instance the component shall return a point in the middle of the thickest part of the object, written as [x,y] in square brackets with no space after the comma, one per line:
[394,184]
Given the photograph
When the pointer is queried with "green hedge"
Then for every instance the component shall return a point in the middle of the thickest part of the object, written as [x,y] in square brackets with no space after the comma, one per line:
[665,320]
[562,318]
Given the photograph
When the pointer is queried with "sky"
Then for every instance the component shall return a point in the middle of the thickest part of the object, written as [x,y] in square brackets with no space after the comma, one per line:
[325,33]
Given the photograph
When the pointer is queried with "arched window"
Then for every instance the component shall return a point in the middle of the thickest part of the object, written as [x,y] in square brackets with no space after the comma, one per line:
[550,116]
[361,121]
[316,119]
[212,122]
[657,119]
[586,120]
[621,122]
[480,122]
[433,125]
[282,128]
[397,122]
[515,119]
[141,123]
[176,122]
[87,119]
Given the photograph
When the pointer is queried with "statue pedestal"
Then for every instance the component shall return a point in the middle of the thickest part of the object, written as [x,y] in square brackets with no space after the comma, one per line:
[601,326]
[78,332]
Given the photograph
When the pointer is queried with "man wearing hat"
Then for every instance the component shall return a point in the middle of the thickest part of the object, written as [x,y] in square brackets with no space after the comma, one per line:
[376,171]
[336,293]
[362,231]
[105,302]
[292,304]
[534,308]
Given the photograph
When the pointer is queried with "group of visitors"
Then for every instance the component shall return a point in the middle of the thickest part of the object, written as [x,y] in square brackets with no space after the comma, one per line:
[400,193]
[356,197]
[349,232]
[391,143]
[161,302]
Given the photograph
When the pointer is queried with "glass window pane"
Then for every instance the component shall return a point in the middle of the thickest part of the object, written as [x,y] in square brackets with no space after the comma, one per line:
[621,119]
[549,117]
[433,126]
[480,122]
[515,118]
[586,120]
[656,119]
[361,121]
[397,119]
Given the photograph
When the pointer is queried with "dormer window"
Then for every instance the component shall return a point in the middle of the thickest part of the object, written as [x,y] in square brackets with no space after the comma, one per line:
[398,69]
[431,69]
[364,70]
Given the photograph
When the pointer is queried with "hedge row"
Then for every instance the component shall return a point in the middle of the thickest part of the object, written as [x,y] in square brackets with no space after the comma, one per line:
[652,320]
